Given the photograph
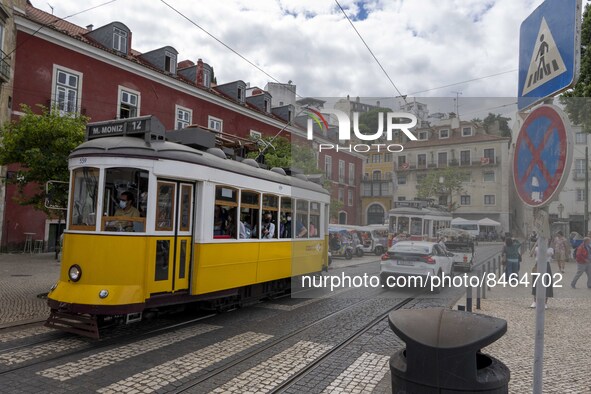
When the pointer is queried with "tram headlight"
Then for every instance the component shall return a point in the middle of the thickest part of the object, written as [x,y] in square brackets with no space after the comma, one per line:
[75,273]
[103,293]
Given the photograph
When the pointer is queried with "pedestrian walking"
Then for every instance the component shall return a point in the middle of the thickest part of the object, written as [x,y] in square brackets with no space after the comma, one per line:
[511,257]
[583,258]
[562,250]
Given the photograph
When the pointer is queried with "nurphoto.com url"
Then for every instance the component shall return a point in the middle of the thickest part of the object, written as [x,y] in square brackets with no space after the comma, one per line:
[335,282]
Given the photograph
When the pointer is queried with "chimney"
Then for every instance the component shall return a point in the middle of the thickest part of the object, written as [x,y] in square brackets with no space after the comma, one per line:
[89,27]
[185,64]
[199,79]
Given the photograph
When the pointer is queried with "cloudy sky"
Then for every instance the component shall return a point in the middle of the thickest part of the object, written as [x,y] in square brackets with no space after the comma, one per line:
[423,45]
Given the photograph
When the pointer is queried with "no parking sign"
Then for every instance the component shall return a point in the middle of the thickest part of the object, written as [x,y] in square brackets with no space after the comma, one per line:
[543,155]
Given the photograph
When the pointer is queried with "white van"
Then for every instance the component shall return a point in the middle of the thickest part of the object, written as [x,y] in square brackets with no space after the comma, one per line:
[470,226]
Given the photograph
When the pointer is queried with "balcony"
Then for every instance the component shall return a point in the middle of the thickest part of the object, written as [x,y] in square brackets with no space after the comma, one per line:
[377,188]
[4,68]
[579,174]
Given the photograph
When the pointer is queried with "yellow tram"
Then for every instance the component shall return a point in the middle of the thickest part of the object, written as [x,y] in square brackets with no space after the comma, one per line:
[199,228]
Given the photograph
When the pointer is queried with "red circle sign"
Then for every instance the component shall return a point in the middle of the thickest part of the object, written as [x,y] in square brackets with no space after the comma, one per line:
[542,156]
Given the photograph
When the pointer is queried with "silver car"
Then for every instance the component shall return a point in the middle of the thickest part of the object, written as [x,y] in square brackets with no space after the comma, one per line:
[415,258]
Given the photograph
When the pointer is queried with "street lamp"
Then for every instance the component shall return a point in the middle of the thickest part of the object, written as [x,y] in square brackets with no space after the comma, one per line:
[560,208]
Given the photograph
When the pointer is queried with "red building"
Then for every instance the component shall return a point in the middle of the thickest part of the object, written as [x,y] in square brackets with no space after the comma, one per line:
[97,73]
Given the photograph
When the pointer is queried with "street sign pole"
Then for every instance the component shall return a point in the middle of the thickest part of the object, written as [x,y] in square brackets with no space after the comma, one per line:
[541,218]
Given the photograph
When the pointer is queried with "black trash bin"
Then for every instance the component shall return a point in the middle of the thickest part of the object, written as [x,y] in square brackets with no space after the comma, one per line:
[443,355]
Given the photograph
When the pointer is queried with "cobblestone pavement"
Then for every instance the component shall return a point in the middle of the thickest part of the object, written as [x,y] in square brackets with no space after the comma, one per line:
[23,277]
[170,361]
[566,336]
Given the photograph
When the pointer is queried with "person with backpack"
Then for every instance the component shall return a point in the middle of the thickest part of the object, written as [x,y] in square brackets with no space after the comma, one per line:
[511,257]
[583,258]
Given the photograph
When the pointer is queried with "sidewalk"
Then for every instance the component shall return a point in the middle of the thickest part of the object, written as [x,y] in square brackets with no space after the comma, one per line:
[24,276]
[566,337]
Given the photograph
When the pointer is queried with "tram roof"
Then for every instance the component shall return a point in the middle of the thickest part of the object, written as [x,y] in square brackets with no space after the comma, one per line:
[166,150]
[419,211]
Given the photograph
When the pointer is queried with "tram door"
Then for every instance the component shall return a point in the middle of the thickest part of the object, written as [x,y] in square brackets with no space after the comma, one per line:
[173,244]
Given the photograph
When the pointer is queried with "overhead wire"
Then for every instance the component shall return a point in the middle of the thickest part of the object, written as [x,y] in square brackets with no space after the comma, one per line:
[371,52]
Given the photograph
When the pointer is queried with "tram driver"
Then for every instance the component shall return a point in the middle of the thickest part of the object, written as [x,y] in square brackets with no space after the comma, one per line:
[126,209]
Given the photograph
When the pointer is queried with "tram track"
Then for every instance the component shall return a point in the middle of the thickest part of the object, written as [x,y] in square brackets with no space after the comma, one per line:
[92,346]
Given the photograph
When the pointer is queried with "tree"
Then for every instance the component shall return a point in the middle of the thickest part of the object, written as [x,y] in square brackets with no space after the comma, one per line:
[40,144]
[442,182]
[280,152]
[494,122]
[577,100]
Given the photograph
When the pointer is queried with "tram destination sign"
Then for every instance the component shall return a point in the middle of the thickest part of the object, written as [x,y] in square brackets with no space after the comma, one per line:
[139,126]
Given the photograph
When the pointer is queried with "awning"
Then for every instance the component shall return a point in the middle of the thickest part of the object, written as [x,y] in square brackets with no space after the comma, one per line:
[488,222]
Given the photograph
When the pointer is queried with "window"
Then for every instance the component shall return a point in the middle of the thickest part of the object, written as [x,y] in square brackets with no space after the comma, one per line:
[466,131]
[133,183]
[314,227]
[444,133]
[443,200]
[240,95]
[256,135]
[267,105]
[169,62]
[581,138]
[184,117]
[579,168]
[224,216]
[249,214]
[341,194]
[442,159]
[465,158]
[269,226]
[490,155]
[489,199]
[84,205]
[464,200]
[401,198]
[341,171]
[387,157]
[376,158]
[206,78]
[580,194]
[129,103]
[401,160]
[377,175]
[422,136]
[165,208]
[422,160]
[215,124]
[402,179]
[488,176]
[328,167]
[351,173]
[301,219]
[119,40]
[350,197]
[66,88]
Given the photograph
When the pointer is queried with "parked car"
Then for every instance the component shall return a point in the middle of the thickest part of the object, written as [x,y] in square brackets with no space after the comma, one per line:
[421,258]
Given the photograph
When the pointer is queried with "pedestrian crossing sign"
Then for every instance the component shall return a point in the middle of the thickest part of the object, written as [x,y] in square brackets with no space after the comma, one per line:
[549,51]
[547,62]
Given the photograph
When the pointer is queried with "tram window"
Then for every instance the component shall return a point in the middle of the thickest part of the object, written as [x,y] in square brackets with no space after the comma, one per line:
[133,183]
[84,198]
[416,226]
[301,219]
[225,221]
[165,207]
[286,224]
[403,225]
[186,207]
[269,226]
[249,214]
[314,227]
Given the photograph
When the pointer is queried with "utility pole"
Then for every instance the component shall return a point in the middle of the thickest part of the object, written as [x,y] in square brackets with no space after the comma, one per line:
[457,104]
[586,218]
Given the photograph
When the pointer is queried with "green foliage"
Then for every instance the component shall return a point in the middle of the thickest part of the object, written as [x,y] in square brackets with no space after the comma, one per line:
[41,145]
[442,182]
[335,207]
[496,121]
[577,101]
[369,121]
[280,152]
